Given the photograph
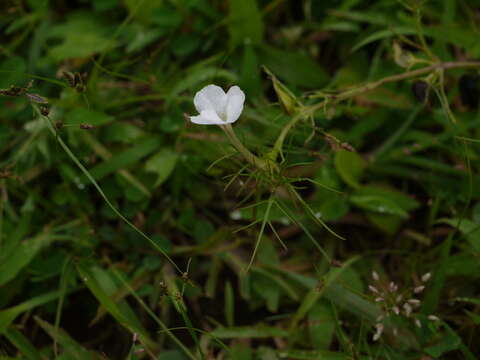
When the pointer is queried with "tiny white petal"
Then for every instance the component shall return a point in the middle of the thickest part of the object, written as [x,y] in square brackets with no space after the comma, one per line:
[414,301]
[418,289]
[211,97]
[426,277]
[373,289]
[433,318]
[375,275]
[235,100]
[207,117]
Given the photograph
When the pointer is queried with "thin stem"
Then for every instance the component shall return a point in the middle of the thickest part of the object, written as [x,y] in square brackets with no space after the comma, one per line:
[247,154]
[350,93]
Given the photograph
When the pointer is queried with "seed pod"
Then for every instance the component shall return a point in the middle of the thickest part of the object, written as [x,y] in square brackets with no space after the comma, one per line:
[36,98]
[86,126]
[470,90]
[44,110]
[420,90]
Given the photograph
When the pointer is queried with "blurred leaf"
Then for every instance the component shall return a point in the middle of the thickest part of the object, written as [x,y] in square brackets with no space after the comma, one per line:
[306,72]
[162,164]
[448,342]
[11,70]
[387,223]
[255,332]
[74,350]
[143,38]
[143,10]
[316,355]
[22,343]
[383,201]
[82,115]
[350,167]
[250,81]
[166,17]
[245,23]
[122,132]
[103,5]
[184,45]
[321,327]
[81,35]
[7,316]
[97,290]
[468,228]
[229,307]
[22,256]
[142,148]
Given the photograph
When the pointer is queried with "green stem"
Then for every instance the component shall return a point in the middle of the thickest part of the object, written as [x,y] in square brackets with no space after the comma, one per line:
[247,154]
[350,93]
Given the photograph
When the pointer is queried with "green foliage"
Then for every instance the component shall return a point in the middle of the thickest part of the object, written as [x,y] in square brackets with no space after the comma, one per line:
[127,232]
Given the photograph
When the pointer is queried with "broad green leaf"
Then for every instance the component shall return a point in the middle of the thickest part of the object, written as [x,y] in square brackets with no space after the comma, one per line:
[350,167]
[294,68]
[162,164]
[245,332]
[383,201]
[245,23]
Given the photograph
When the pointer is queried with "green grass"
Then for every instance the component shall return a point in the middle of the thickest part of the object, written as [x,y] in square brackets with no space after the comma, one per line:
[338,218]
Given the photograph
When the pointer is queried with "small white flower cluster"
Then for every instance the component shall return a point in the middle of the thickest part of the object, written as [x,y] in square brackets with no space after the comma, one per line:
[397,303]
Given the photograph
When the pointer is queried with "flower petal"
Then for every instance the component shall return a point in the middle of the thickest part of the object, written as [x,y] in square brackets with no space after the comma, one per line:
[211,97]
[235,100]
[207,117]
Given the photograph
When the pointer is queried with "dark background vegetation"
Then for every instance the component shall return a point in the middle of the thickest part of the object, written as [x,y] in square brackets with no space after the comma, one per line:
[76,282]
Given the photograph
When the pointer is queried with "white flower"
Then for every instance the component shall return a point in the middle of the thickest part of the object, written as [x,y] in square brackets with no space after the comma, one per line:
[216,107]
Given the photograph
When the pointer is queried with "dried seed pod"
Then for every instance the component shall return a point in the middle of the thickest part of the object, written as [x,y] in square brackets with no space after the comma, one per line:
[36,98]
[44,110]
[86,126]
[470,90]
